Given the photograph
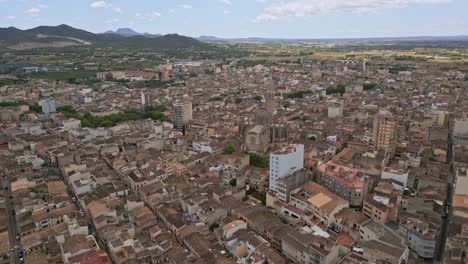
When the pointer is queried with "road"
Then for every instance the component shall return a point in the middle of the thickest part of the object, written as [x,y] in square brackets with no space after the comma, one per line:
[12,231]
[79,207]
[447,214]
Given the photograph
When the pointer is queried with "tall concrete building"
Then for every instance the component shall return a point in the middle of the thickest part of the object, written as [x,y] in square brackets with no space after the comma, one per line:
[335,109]
[284,162]
[181,113]
[385,131]
[460,131]
[48,105]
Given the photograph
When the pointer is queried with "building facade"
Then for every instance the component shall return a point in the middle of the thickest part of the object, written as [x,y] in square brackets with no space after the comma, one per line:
[48,105]
[385,131]
[284,162]
[348,183]
[181,114]
[460,132]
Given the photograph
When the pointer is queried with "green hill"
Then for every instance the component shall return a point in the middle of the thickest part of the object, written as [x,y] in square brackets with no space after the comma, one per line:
[63,35]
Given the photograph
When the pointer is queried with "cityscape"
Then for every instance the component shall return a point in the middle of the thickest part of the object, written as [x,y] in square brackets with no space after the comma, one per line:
[121,145]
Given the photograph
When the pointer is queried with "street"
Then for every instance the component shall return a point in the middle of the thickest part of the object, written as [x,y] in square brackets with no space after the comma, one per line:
[11,223]
[80,208]
[447,214]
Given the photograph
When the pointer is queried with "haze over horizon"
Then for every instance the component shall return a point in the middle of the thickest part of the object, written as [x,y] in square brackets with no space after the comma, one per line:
[248,18]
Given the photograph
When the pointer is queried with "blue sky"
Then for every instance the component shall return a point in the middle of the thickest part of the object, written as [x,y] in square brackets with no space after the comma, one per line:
[246,18]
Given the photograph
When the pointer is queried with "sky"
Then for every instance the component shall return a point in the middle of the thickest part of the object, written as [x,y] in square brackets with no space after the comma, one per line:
[247,18]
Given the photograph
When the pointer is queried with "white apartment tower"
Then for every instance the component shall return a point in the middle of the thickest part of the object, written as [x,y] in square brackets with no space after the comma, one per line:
[284,162]
[181,114]
[48,105]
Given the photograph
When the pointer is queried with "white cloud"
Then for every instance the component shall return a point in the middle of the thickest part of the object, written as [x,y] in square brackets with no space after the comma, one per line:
[265,17]
[34,11]
[226,11]
[112,21]
[185,6]
[227,2]
[304,8]
[100,4]
[104,4]
[10,17]
[150,16]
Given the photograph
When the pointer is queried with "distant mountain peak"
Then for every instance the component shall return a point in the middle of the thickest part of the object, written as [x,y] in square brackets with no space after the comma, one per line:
[126,31]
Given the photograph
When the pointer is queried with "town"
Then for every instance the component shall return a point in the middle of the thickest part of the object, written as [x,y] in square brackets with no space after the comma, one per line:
[234,132]
[340,161]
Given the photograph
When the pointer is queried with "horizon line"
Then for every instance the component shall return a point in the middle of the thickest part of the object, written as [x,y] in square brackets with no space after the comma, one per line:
[255,37]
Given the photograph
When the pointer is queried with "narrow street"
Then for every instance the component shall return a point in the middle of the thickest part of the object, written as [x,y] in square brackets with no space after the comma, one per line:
[447,214]
[11,223]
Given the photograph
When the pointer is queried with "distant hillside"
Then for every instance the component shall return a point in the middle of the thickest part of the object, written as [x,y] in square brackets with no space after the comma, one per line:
[128,32]
[124,32]
[334,40]
[62,36]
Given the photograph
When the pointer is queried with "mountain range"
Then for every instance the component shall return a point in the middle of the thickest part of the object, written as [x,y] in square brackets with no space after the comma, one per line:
[63,35]
[130,32]
[123,38]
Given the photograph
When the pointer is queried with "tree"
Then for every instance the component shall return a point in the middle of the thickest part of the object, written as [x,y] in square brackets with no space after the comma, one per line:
[368,86]
[233,182]
[215,99]
[258,97]
[335,89]
[259,161]
[214,226]
[299,94]
[257,195]
[228,149]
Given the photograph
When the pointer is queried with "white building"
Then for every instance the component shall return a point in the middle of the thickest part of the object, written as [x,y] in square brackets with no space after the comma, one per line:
[284,162]
[335,110]
[202,146]
[71,123]
[48,105]
[398,175]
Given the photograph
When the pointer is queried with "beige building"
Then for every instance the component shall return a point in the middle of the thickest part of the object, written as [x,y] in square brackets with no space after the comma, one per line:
[309,249]
[181,113]
[257,138]
[385,131]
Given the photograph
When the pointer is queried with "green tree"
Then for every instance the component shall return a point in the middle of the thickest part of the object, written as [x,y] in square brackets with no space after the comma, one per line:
[213,226]
[257,195]
[215,99]
[233,182]
[368,86]
[259,161]
[257,97]
[228,149]
[340,88]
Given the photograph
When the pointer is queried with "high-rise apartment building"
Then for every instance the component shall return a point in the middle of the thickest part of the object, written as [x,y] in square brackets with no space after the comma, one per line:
[385,131]
[48,105]
[284,162]
[460,131]
[181,113]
